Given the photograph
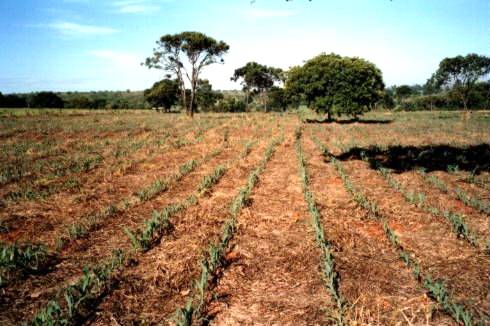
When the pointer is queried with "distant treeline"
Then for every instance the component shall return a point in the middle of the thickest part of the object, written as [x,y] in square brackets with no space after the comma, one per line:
[76,100]
[417,97]
[403,97]
[209,100]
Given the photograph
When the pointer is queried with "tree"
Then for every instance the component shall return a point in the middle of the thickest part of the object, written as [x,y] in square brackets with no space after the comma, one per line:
[333,84]
[200,51]
[278,98]
[12,101]
[386,100]
[460,74]
[164,93]
[46,100]
[257,79]
[430,88]
[403,91]
[230,104]
[206,96]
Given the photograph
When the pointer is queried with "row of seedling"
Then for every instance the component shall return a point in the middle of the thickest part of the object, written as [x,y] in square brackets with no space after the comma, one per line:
[330,276]
[17,260]
[476,203]
[64,167]
[145,237]
[418,199]
[214,259]
[79,299]
[93,221]
[76,302]
[435,288]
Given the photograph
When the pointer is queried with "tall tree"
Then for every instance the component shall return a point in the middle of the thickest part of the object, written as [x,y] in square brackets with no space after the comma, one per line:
[333,84]
[164,93]
[461,73]
[185,55]
[257,79]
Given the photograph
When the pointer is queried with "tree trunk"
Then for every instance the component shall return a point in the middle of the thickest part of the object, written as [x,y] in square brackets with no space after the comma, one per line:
[264,96]
[465,107]
[190,111]
[247,95]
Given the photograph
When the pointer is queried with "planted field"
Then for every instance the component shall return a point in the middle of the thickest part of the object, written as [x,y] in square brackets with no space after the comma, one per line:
[140,218]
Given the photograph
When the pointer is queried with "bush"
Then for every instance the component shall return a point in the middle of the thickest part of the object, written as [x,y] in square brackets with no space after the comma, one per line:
[230,105]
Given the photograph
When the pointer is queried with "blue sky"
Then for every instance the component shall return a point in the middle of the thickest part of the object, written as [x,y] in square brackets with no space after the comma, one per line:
[87,45]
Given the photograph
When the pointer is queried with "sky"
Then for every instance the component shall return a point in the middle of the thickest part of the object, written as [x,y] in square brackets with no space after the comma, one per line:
[85,45]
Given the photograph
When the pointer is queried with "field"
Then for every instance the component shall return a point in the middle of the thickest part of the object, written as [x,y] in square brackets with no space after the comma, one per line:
[141,218]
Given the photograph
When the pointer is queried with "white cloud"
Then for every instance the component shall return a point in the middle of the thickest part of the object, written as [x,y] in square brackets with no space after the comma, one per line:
[135,6]
[75,29]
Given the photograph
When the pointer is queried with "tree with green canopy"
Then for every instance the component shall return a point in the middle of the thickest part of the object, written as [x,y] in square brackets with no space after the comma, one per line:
[332,84]
[12,101]
[46,100]
[164,93]
[185,55]
[403,91]
[257,79]
[461,73]
[206,96]
[277,98]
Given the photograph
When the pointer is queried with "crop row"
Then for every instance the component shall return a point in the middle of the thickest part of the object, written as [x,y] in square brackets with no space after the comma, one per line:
[92,222]
[54,169]
[76,301]
[330,276]
[418,199]
[435,288]
[470,201]
[70,183]
[215,257]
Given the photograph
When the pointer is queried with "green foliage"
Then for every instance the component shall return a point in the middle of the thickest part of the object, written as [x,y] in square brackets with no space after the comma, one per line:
[158,186]
[46,100]
[478,98]
[336,85]
[78,296]
[257,79]
[230,104]
[200,51]
[26,258]
[12,101]
[209,180]
[112,100]
[277,98]
[159,223]
[331,277]
[461,73]
[164,93]
[207,97]
[436,289]
[215,253]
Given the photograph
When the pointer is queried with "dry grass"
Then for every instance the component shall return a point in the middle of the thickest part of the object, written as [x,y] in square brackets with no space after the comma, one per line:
[271,273]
